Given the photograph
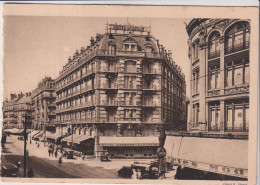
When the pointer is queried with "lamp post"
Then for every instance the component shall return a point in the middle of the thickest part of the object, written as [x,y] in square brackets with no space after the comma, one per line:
[25,119]
[161,152]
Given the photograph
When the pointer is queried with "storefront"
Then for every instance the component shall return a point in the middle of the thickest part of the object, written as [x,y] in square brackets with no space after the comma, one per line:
[130,147]
[226,157]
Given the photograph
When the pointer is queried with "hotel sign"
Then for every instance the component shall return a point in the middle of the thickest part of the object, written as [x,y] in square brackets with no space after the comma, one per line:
[128,27]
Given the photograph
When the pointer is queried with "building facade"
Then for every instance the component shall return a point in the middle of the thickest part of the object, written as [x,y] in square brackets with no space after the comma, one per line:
[219,64]
[15,109]
[123,85]
[43,105]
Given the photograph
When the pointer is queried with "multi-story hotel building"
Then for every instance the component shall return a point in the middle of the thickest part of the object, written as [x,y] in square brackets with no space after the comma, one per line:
[120,90]
[43,105]
[15,109]
[219,63]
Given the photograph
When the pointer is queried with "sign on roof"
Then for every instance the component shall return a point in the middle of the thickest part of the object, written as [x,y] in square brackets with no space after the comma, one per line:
[128,27]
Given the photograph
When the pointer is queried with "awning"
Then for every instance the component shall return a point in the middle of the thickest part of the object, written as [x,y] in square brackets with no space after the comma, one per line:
[42,134]
[128,141]
[35,132]
[54,136]
[82,138]
[223,156]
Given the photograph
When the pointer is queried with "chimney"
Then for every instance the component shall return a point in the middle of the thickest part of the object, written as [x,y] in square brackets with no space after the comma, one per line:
[98,36]
[12,96]
[170,53]
[92,41]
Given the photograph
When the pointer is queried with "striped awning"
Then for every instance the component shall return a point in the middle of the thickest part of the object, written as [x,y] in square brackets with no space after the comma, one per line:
[222,156]
[128,141]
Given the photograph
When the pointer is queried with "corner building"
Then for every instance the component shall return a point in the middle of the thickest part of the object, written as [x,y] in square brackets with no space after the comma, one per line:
[219,64]
[119,91]
[43,105]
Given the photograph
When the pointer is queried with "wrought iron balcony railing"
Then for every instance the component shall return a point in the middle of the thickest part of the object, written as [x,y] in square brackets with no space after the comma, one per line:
[236,47]
[213,54]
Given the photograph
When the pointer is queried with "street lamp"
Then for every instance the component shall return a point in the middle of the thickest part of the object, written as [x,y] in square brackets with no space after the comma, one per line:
[161,152]
[25,121]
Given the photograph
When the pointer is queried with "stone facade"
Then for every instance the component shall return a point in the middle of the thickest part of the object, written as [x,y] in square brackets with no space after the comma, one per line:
[122,85]
[43,105]
[219,64]
[15,109]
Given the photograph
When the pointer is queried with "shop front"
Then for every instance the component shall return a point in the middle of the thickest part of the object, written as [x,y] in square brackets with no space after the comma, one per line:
[130,147]
[208,158]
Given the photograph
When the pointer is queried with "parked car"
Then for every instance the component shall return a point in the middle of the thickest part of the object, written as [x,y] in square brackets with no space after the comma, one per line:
[9,169]
[125,171]
[68,154]
[148,170]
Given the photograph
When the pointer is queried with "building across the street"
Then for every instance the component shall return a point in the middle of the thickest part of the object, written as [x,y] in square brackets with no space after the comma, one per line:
[119,92]
[43,105]
[215,145]
[15,109]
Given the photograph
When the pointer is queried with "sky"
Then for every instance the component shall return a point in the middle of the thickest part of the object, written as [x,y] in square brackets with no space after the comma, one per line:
[39,46]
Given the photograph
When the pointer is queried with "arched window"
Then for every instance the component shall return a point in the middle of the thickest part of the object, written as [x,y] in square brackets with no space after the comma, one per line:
[237,37]
[214,45]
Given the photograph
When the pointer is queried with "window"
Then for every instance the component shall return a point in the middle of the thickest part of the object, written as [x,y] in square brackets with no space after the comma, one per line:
[214,81]
[195,114]
[237,118]
[214,117]
[195,51]
[237,73]
[111,49]
[214,45]
[237,37]
[130,66]
[195,81]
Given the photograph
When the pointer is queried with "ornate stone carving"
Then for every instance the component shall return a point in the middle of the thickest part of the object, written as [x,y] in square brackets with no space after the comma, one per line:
[237,90]
[214,93]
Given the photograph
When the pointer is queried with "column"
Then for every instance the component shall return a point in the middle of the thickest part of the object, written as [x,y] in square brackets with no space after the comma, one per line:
[202,86]
[222,116]
[222,66]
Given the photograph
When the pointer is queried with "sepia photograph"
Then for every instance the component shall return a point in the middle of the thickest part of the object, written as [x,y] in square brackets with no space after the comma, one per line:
[103,94]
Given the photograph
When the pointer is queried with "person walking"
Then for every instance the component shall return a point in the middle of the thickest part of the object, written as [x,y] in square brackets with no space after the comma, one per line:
[30,173]
[56,153]
[60,161]
[49,151]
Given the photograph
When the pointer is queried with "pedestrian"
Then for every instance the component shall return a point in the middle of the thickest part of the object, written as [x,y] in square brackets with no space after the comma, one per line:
[83,155]
[30,173]
[60,161]
[49,151]
[38,145]
[134,174]
[52,151]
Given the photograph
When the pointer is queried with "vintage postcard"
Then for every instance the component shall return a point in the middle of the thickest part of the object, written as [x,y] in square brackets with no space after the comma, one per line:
[129,94]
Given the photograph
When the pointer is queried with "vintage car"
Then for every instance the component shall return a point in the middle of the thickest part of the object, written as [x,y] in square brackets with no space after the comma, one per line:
[9,169]
[68,154]
[142,171]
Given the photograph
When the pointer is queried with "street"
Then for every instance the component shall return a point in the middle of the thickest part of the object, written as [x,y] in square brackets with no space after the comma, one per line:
[47,167]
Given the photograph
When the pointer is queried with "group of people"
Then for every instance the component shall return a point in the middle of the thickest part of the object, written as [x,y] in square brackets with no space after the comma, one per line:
[53,149]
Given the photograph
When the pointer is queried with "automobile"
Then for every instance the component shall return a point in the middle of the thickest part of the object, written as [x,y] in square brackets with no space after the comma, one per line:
[125,171]
[68,154]
[147,170]
[9,169]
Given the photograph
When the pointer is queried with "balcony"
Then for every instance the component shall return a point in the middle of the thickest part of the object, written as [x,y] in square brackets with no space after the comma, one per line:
[130,103]
[51,113]
[87,73]
[110,69]
[131,53]
[149,71]
[150,88]
[130,70]
[109,103]
[214,92]
[109,86]
[237,47]
[51,105]
[213,54]
[214,128]
[150,104]
[236,129]
[75,93]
